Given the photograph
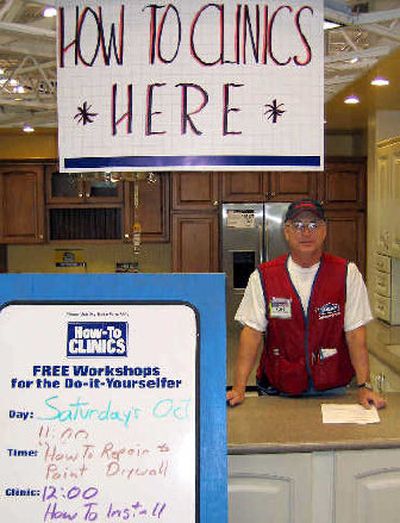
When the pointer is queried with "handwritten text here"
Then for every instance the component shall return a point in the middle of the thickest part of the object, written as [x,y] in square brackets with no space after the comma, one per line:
[227,85]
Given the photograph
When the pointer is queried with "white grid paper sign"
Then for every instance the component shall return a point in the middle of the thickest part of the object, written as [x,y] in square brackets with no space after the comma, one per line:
[225,86]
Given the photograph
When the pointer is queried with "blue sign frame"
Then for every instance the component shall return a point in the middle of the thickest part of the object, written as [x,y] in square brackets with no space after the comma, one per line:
[206,293]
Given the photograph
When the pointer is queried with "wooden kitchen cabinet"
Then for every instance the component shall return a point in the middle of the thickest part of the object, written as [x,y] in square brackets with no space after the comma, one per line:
[152,212]
[268,186]
[195,191]
[244,187]
[291,186]
[195,242]
[346,236]
[79,188]
[195,222]
[343,184]
[21,204]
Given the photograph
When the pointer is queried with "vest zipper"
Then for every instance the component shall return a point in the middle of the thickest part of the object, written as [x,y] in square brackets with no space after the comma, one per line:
[306,320]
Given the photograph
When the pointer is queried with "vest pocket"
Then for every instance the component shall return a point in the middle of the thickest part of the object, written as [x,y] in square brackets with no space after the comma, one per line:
[326,373]
[286,375]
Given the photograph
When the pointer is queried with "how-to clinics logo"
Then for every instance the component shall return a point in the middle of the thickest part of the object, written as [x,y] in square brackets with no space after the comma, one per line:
[108,338]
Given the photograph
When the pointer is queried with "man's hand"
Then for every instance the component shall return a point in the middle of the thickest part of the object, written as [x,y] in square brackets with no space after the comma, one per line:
[235,396]
[367,397]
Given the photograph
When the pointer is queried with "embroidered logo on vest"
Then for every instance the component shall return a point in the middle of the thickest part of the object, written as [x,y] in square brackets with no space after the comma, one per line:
[329,310]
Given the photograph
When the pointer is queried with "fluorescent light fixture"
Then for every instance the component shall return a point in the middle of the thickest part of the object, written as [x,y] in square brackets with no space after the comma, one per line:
[380,81]
[330,25]
[28,129]
[50,12]
[352,100]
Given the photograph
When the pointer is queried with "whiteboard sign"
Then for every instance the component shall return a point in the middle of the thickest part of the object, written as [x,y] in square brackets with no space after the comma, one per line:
[99,415]
[190,85]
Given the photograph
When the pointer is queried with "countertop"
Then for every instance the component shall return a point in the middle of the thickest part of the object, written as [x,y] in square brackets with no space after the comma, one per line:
[271,424]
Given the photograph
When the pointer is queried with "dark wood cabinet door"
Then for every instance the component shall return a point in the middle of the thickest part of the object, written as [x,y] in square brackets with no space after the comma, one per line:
[77,188]
[291,186]
[195,191]
[21,204]
[343,185]
[195,242]
[245,187]
[346,236]
[153,210]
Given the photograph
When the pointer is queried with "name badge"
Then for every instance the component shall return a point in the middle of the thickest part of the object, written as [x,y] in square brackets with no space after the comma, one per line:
[280,308]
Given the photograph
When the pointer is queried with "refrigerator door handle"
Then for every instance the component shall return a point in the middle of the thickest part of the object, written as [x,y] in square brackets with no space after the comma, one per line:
[260,243]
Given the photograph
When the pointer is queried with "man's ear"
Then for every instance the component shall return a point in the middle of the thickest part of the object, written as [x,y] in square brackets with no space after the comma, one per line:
[285,231]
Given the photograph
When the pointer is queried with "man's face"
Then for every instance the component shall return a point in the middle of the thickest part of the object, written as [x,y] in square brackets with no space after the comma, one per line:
[305,234]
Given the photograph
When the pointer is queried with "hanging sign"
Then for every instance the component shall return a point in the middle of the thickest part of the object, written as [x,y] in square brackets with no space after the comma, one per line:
[190,85]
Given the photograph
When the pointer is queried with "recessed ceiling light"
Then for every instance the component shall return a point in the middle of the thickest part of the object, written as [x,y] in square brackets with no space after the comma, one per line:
[380,81]
[330,25]
[354,60]
[352,99]
[50,12]
[28,129]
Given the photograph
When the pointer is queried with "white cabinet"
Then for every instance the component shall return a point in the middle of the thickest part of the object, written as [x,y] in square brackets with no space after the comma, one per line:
[383,196]
[270,488]
[391,378]
[396,201]
[368,486]
[385,199]
[360,486]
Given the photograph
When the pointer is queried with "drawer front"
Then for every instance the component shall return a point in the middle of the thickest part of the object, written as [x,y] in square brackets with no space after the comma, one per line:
[382,263]
[383,283]
[382,307]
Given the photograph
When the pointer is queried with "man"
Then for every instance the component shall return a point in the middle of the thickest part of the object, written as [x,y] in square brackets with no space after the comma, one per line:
[313,308]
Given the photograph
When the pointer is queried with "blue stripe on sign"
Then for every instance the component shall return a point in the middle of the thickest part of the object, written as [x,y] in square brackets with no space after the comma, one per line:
[178,161]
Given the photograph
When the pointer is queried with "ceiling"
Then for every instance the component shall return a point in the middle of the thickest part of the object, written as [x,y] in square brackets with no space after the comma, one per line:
[366,43]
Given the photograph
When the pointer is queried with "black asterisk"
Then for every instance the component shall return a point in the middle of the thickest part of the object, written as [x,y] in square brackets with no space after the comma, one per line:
[84,115]
[274,110]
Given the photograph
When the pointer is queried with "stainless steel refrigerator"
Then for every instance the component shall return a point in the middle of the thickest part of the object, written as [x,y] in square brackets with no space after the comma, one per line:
[251,234]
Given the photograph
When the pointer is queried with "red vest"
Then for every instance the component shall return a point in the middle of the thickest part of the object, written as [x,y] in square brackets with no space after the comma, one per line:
[303,350]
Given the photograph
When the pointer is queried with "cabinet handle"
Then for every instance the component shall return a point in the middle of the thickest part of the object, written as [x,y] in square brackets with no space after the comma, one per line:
[80,195]
[215,203]
[88,195]
[41,236]
[126,236]
[272,193]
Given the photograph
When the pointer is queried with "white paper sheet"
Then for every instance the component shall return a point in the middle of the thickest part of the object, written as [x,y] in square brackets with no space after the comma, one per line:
[353,413]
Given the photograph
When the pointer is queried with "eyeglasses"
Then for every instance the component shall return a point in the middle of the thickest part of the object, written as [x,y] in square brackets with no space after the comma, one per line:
[302,226]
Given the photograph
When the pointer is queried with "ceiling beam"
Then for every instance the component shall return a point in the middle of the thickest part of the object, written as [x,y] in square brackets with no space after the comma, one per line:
[372,52]
[378,16]
[27,30]
[43,119]
[381,30]
[27,104]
